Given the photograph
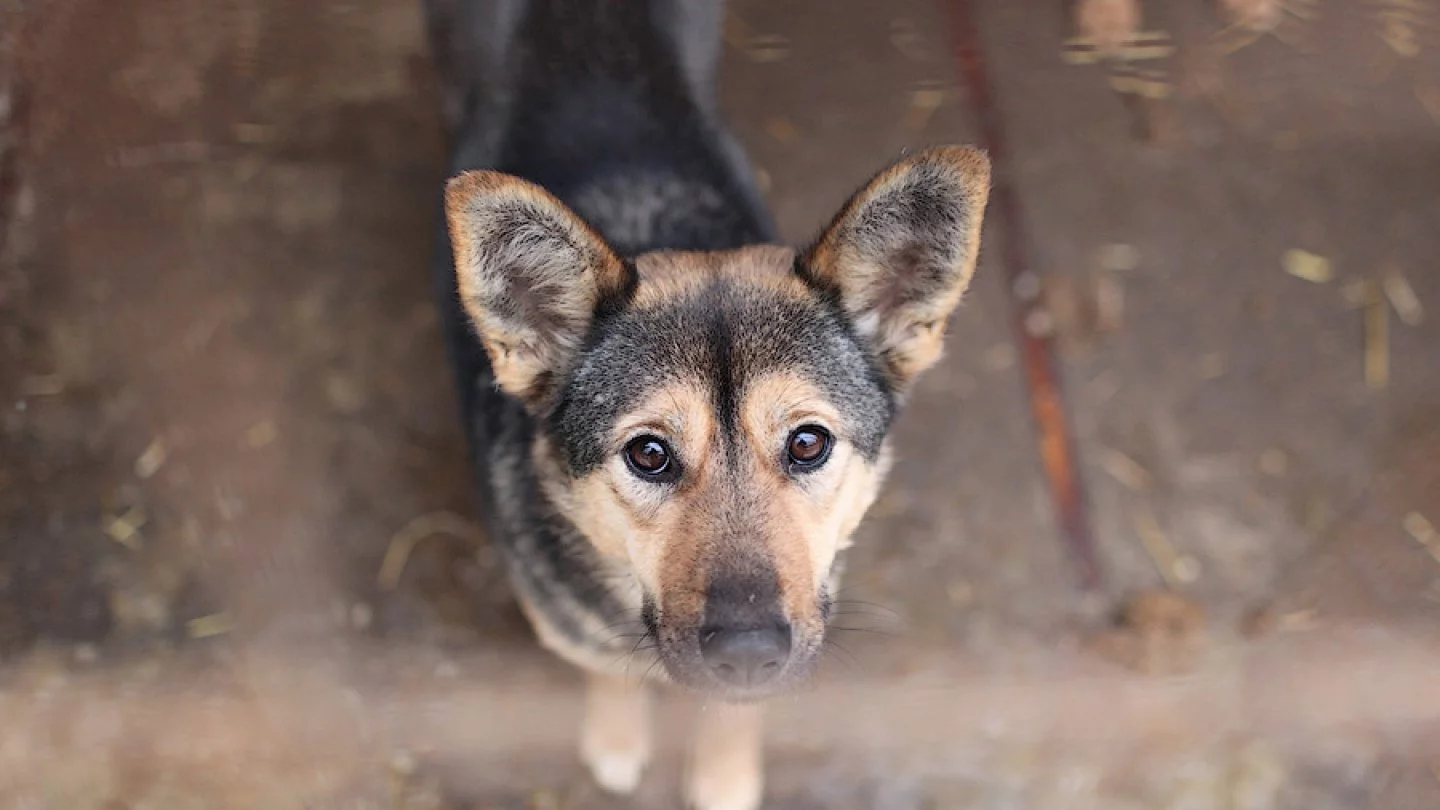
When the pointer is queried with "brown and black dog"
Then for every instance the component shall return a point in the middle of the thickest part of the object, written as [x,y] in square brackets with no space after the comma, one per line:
[677,422]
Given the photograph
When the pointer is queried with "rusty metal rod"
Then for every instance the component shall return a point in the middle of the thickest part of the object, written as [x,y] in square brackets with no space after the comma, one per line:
[14,131]
[1057,444]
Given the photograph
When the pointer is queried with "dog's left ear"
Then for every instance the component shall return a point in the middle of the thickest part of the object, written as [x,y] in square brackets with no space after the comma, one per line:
[531,276]
[902,251]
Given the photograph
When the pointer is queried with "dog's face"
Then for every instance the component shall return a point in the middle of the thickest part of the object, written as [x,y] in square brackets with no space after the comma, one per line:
[717,422]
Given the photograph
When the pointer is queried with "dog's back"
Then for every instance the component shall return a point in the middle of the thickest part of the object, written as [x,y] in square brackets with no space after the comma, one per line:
[609,105]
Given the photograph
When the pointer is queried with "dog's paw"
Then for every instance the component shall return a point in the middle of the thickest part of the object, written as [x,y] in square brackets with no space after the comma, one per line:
[615,741]
[721,790]
[726,770]
[616,770]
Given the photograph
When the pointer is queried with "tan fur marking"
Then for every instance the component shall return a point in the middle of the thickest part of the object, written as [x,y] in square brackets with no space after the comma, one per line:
[633,520]
[609,522]
[809,522]
[686,410]
[859,488]
[667,275]
[681,570]
[771,408]
[589,503]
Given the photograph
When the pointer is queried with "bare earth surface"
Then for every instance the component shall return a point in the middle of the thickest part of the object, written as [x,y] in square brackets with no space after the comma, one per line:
[223,403]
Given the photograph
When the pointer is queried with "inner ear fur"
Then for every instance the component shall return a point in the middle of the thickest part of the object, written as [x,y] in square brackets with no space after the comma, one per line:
[531,275]
[902,251]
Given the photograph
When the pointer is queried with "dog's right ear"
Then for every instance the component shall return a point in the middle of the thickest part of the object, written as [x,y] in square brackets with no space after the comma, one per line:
[531,275]
[902,251]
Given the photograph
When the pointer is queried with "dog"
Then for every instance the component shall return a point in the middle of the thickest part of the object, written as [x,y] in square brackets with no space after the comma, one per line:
[677,422]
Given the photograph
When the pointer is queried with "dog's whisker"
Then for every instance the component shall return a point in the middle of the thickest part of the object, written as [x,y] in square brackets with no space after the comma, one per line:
[854,627]
[640,642]
[650,670]
[636,622]
[847,608]
[618,634]
[646,641]
[611,638]
[843,595]
[862,627]
[624,630]
[874,630]
[863,614]
[860,604]
[841,655]
[863,620]
[621,640]
[637,652]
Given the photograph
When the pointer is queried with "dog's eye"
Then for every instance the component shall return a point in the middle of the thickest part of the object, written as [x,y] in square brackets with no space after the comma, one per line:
[809,446]
[649,457]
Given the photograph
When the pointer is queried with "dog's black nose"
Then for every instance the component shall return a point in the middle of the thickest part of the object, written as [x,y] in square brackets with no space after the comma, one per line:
[748,657]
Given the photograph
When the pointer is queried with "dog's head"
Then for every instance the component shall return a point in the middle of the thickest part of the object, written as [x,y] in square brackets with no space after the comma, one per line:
[717,422]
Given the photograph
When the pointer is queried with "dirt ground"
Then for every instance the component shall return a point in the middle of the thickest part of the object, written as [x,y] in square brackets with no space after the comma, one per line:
[223,403]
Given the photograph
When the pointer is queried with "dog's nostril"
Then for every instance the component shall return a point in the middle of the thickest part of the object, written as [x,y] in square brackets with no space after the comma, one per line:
[747,657]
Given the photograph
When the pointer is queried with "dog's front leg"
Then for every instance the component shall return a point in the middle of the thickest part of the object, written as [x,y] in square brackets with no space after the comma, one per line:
[615,742]
[726,770]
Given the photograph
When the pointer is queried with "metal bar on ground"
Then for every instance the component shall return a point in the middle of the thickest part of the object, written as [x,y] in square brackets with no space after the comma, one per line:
[1028,316]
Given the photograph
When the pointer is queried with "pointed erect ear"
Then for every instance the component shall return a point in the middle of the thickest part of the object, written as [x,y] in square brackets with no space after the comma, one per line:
[902,251]
[531,276]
